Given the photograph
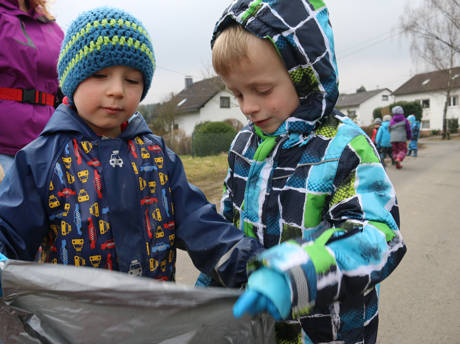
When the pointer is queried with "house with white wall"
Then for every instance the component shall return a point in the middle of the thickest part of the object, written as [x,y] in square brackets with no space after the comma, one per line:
[430,90]
[205,100]
[360,106]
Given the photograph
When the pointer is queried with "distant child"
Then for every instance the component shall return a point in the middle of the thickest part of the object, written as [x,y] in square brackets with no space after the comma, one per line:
[400,133]
[382,140]
[415,131]
[377,123]
[304,175]
[97,188]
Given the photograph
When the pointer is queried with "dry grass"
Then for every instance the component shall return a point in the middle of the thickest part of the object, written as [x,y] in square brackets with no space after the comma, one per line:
[207,173]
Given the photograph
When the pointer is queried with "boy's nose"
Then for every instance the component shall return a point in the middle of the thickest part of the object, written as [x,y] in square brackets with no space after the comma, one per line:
[115,88]
[249,107]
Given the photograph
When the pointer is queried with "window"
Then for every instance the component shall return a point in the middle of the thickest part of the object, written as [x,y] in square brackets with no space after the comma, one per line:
[385,97]
[453,100]
[352,114]
[426,124]
[225,102]
[425,103]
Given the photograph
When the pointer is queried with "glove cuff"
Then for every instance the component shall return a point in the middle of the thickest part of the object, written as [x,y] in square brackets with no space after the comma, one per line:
[273,285]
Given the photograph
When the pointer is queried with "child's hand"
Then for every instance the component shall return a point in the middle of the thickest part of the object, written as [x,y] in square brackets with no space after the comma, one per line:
[2,258]
[268,291]
[253,303]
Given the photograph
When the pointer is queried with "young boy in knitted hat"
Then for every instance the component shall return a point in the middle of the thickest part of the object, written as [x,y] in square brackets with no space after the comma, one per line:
[97,188]
[304,175]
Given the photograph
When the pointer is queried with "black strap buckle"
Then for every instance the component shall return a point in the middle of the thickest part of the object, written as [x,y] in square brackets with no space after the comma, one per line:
[28,96]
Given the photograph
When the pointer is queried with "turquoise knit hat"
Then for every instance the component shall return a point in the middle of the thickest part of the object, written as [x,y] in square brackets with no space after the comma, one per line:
[101,38]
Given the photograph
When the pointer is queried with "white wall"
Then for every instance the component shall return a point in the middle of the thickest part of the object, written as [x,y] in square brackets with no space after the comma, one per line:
[349,110]
[187,122]
[364,112]
[366,109]
[211,112]
[434,113]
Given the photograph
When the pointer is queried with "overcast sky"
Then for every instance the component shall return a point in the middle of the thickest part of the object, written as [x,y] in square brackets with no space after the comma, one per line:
[370,52]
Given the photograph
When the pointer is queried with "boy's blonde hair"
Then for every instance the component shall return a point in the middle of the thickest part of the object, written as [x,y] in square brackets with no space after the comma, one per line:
[230,47]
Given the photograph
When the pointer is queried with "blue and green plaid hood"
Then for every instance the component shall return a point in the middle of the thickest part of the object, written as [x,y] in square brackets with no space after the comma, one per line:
[304,41]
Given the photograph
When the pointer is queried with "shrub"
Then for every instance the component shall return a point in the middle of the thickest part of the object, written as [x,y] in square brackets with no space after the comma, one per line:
[178,141]
[377,113]
[368,130]
[410,108]
[211,138]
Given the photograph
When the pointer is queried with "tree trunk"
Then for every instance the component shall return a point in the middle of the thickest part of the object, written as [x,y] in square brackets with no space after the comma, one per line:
[445,134]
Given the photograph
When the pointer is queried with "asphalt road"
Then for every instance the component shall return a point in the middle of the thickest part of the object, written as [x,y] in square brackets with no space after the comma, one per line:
[420,301]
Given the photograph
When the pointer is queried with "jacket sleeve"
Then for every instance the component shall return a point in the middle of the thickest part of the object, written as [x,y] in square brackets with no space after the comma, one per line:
[360,244]
[378,138]
[215,246]
[23,219]
[226,204]
[408,130]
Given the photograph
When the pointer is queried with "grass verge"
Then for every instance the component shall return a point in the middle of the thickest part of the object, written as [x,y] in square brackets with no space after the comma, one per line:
[207,173]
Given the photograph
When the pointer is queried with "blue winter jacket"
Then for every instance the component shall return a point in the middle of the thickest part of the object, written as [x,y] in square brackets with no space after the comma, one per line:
[383,135]
[122,204]
[314,192]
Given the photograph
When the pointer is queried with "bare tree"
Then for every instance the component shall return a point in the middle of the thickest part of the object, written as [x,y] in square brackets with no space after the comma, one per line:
[434,32]
[167,113]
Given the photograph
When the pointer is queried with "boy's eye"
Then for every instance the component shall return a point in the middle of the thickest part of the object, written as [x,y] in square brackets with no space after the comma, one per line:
[265,91]
[99,75]
[133,81]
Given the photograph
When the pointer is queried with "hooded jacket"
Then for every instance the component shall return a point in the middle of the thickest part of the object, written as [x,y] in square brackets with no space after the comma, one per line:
[121,204]
[28,55]
[400,130]
[414,127]
[321,190]
[383,135]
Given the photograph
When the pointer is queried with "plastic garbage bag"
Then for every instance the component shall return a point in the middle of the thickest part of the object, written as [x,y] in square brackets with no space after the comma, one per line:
[48,303]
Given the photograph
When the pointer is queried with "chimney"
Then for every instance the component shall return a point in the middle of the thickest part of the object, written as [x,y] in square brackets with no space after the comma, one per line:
[188,81]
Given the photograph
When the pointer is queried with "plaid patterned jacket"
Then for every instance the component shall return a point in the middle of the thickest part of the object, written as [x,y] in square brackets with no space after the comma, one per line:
[328,199]
[321,192]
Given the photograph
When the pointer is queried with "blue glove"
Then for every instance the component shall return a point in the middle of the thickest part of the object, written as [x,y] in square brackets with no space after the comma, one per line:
[2,258]
[268,291]
[253,302]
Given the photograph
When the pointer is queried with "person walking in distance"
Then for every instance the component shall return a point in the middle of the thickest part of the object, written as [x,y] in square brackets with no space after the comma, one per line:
[382,140]
[415,129]
[400,132]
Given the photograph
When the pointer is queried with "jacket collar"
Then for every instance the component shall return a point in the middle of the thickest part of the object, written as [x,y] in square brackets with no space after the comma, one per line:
[66,119]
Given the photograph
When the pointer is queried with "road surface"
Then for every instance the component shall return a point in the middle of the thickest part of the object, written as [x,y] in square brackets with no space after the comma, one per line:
[420,301]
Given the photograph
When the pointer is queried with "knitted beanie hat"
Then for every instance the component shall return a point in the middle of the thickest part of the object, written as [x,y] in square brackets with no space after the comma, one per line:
[378,120]
[100,38]
[387,118]
[397,110]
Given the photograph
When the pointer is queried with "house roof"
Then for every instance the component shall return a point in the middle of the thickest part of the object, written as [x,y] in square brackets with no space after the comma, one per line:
[355,99]
[193,98]
[428,82]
